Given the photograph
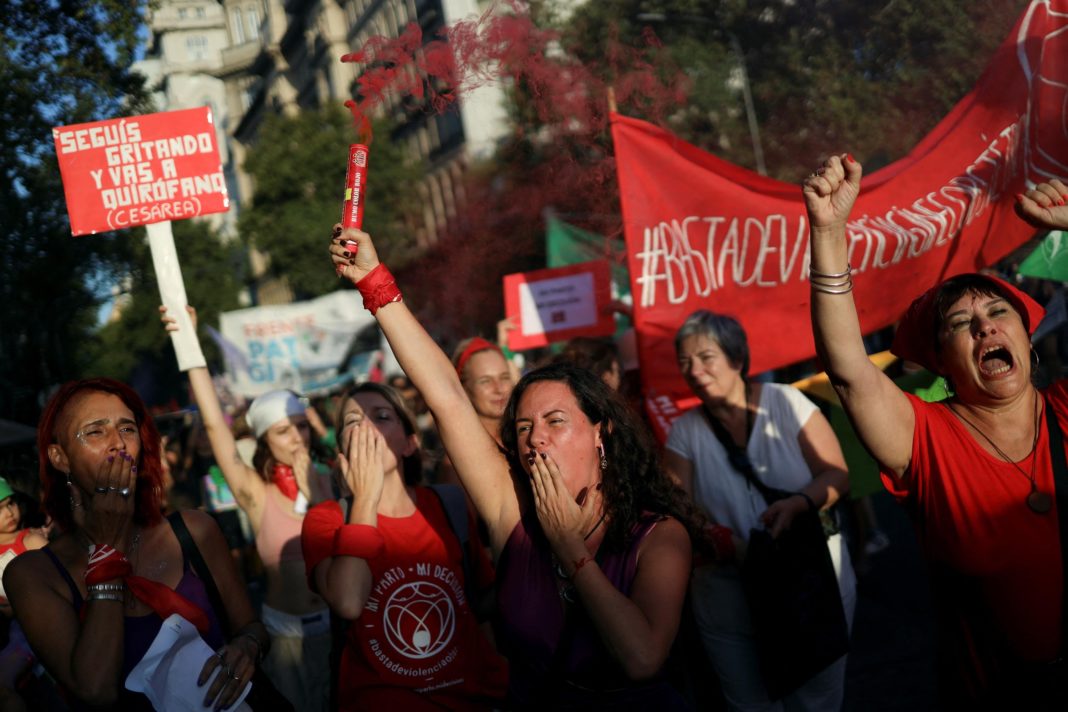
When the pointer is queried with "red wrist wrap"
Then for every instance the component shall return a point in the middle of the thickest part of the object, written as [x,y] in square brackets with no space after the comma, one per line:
[107,563]
[360,540]
[722,541]
[378,288]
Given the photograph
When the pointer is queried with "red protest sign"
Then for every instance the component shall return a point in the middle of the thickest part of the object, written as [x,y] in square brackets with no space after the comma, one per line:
[138,170]
[549,305]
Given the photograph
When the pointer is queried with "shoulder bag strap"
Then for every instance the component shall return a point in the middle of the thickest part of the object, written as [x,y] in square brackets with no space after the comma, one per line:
[738,458]
[192,555]
[1060,482]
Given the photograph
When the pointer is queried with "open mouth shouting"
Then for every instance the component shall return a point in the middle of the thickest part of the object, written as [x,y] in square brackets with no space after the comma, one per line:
[995,361]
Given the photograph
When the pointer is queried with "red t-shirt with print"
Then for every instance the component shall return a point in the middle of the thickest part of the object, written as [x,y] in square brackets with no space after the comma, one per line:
[416,643]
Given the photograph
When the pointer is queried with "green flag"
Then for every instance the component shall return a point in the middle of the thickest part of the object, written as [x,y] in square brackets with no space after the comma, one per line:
[1050,258]
[566,244]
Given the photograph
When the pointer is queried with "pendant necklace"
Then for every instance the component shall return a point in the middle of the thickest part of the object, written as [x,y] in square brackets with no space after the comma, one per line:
[1038,501]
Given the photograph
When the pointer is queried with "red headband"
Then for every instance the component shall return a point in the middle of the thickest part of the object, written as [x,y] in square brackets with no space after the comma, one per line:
[916,339]
[477,344]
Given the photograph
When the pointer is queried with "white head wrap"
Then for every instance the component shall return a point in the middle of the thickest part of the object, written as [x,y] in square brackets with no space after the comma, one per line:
[270,408]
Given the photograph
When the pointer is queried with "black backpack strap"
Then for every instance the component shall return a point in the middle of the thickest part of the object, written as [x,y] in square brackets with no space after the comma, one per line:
[454,502]
[1060,483]
[200,567]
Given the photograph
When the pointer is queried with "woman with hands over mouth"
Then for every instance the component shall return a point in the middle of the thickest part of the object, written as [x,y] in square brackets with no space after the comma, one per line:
[387,560]
[591,542]
[275,494]
[92,602]
[975,470]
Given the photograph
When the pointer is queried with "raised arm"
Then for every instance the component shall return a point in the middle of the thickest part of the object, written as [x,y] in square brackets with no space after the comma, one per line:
[880,412]
[483,470]
[1045,206]
[247,486]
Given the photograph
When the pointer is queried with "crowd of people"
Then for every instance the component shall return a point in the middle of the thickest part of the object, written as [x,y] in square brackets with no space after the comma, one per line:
[476,536]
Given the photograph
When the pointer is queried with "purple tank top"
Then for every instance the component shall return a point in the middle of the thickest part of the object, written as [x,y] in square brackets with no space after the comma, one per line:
[532,615]
[140,631]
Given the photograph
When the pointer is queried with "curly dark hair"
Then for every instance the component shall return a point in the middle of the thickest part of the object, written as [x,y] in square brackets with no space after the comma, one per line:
[634,483]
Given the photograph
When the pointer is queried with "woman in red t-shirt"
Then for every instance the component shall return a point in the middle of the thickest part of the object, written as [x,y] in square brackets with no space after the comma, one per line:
[975,469]
[387,559]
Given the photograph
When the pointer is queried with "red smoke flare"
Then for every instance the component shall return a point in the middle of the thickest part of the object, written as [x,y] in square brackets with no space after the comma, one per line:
[559,155]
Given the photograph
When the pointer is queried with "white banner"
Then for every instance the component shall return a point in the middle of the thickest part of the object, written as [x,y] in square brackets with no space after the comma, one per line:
[283,346]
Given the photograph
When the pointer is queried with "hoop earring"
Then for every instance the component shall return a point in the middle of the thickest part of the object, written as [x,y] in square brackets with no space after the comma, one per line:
[1035,361]
[604,460]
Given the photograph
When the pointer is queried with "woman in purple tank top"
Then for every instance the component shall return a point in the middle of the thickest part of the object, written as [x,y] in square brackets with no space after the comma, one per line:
[92,602]
[591,539]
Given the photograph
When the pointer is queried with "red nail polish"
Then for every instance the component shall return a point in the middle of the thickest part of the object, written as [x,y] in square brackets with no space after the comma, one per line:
[849,157]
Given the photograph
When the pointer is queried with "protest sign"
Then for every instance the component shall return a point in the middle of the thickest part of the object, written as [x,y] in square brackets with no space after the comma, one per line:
[558,304]
[138,170]
[291,345]
[703,233]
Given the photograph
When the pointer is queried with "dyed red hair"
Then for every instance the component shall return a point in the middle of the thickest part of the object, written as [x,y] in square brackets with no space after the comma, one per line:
[149,488]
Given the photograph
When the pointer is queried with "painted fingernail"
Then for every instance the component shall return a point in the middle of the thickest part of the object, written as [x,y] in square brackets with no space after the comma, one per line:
[849,157]
[1060,201]
[133,469]
[111,458]
[543,455]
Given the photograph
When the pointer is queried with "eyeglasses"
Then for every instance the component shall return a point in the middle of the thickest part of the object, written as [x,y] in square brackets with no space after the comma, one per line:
[98,433]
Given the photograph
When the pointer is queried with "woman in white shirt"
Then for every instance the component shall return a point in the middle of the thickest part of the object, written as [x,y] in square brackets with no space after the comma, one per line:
[791,447]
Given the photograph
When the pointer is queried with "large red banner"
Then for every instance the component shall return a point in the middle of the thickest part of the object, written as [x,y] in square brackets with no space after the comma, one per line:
[703,233]
[141,169]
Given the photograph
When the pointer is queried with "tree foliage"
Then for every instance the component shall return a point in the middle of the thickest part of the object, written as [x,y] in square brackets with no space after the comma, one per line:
[870,76]
[298,167]
[61,62]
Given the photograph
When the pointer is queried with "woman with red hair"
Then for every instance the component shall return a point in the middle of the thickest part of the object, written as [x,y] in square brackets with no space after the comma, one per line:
[92,602]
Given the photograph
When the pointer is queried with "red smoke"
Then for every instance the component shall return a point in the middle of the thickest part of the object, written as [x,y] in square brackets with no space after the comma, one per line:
[558,156]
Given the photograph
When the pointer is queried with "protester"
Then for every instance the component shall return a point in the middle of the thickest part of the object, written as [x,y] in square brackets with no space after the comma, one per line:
[598,355]
[275,494]
[593,558]
[387,559]
[15,539]
[975,470]
[487,378]
[791,447]
[93,600]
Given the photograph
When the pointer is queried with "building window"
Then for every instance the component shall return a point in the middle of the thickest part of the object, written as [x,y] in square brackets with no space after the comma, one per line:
[197,46]
[199,12]
[237,26]
[182,13]
[253,16]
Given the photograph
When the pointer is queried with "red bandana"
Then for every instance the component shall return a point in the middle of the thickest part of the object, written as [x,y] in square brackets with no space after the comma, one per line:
[477,344]
[286,482]
[106,563]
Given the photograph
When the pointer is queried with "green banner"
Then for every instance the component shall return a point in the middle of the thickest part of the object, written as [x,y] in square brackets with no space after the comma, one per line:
[1050,258]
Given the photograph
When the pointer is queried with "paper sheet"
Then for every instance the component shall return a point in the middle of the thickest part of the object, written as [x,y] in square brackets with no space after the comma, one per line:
[168,672]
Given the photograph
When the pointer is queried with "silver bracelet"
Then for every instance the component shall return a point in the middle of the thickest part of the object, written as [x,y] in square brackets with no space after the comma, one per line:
[812,272]
[105,597]
[102,587]
[847,282]
[817,287]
